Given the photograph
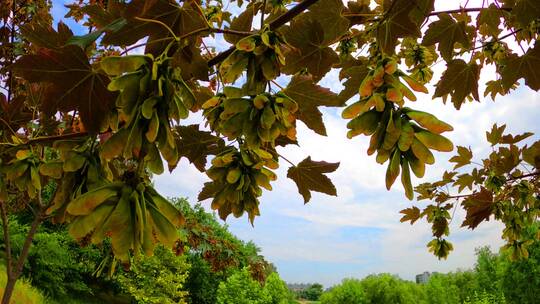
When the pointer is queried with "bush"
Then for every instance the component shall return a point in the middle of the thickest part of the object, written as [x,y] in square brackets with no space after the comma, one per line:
[485,298]
[350,291]
[24,293]
[158,279]
[241,288]
[277,290]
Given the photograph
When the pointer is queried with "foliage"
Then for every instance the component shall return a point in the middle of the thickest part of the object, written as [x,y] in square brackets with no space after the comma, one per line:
[157,279]
[312,293]
[485,298]
[56,264]
[277,290]
[385,288]
[81,111]
[350,291]
[505,186]
[241,288]
[24,292]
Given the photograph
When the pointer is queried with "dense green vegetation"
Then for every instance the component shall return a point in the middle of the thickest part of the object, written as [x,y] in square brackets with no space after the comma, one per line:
[207,263]
[495,279]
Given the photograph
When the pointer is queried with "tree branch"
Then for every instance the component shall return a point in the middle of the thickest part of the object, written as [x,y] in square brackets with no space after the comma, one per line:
[7,241]
[466,10]
[276,23]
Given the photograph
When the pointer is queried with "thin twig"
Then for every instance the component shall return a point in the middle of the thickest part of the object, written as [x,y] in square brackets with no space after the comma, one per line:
[466,10]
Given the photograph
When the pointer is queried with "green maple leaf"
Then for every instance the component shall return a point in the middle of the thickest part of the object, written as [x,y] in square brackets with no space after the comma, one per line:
[446,32]
[459,80]
[196,145]
[306,35]
[494,137]
[526,11]
[410,214]
[479,207]
[463,158]
[309,176]
[73,84]
[526,66]
[402,19]
[309,96]
[532,154]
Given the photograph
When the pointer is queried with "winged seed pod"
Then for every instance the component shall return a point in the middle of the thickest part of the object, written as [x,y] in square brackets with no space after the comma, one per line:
[237,177]
[400,135]
[135,217]
[258,120]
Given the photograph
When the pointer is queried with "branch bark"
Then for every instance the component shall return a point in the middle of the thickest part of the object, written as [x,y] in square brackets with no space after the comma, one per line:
[275,24]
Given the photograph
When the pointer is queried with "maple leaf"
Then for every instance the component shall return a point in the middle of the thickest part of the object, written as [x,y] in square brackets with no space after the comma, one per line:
[306,35]
[494,137]
[209,190]
[73,84]
[328,14]
[42,34]
[526,66]
[309,176]
[190,61]
[514,139]
[479,207]
[402,19]
[196,145]
[241,23]
[354,76]
[463,158]
[446,32]
[526,11]
[410,214]
[491,17]
[309,96]
[357,12]
[147,19]
[464,181]
[459,80]
[532,154]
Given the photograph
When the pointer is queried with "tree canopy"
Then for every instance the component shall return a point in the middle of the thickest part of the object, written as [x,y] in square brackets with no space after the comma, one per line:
[89,117]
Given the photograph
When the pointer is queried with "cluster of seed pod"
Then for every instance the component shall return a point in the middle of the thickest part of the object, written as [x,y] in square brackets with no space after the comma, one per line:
[399,134]
[134,215]
[419,59]
[261,55]
[258,120]
[23,172]
[237,177]
[152,93]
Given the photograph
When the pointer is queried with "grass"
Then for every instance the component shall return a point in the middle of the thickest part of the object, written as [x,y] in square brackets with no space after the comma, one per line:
[24,293]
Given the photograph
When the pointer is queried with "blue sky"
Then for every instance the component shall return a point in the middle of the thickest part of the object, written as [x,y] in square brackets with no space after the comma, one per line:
[358,232]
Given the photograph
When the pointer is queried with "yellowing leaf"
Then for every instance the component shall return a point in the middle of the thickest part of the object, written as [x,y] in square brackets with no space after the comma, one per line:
[410,214]
[463,158]
[309,176]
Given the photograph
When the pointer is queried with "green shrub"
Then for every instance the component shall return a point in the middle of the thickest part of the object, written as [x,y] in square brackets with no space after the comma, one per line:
[277,290]
[241,288]
[158,279]
[485,298]
[350,291]
[24,293]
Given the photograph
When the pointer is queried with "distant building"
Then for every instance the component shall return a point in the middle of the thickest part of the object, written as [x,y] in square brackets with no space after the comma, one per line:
[423,277]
